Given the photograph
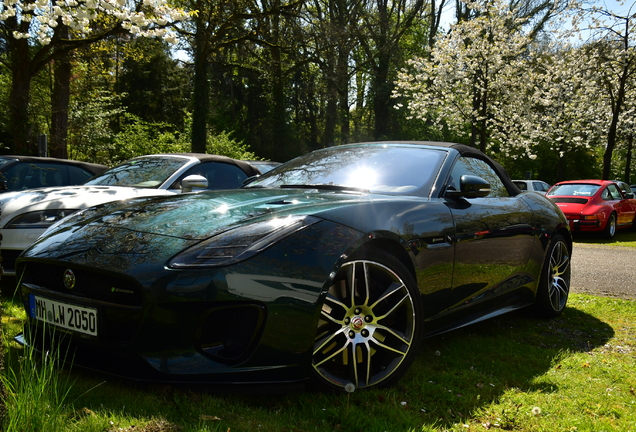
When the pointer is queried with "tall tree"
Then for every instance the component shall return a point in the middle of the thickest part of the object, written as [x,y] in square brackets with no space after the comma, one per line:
[466,72]
[615,59]
[154,86]
[470,69]
[384,23]
[332,34]
[33,33]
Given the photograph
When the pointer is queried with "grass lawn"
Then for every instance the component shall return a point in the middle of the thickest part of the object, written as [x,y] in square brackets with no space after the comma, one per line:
[624,237]
[512,373]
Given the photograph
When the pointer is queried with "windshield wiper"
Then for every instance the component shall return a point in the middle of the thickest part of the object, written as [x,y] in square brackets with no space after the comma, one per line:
[324,186]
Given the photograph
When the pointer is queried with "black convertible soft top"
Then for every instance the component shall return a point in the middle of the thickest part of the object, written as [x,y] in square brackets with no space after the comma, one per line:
[249,169]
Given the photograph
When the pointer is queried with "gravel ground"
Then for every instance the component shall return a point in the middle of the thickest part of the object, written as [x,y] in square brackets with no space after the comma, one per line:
[604,270]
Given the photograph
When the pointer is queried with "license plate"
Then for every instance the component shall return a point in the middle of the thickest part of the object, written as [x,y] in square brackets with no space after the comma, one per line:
[71,317]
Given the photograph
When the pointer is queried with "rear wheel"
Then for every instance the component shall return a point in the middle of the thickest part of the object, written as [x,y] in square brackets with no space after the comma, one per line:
[369,326]
[610,229]
[554,283]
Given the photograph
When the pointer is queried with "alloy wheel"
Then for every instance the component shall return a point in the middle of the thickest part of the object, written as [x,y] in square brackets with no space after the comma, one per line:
[559,277]
[367,327]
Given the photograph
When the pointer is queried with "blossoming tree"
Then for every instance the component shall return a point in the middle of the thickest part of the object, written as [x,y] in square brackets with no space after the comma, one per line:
[467,71]
[36,32]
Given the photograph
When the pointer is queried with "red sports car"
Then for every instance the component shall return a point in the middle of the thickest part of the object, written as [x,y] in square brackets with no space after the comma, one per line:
[595,205]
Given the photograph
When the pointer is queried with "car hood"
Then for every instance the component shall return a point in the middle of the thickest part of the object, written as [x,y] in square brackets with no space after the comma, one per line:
[200,215]
[161,227]
[68,197]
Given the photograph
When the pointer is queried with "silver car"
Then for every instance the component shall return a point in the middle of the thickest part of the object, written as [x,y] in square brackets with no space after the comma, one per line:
[26,215]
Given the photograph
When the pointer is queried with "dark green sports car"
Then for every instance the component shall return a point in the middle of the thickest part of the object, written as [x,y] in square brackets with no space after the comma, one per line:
[328,270]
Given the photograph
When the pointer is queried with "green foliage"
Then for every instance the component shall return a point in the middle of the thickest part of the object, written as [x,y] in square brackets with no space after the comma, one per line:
[138,137]
[223,144]
[154,87]
[549,166]
[90,133]
[36,394]
[5,86]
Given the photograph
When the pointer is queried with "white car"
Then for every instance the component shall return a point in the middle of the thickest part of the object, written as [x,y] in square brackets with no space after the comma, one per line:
[532,185]
[26,215]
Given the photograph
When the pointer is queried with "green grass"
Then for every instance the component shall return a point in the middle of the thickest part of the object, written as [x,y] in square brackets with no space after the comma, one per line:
[512,373]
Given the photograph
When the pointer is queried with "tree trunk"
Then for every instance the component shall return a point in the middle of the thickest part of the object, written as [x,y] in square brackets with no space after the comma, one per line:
[628,159]
[22,136]
[61,95]
[342,72]
[278,148]
[329,135]
[382,87]
[617,109]
[201,90]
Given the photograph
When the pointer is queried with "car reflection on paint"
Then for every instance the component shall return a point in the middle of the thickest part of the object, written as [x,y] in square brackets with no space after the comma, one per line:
[328,270]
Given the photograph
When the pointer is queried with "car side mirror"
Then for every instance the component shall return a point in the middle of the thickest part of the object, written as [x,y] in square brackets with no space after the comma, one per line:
[3,185]
[470,187]
[193,181]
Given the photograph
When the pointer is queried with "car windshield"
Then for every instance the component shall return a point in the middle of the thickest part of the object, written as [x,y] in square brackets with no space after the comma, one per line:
[5,161]
[373,168]
[574,189]
[146,172]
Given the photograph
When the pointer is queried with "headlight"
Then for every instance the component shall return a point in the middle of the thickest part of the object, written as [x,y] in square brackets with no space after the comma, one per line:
[240,243]
[38,219]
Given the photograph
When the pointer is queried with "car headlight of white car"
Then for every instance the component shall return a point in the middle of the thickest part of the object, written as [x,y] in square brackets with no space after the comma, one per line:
[40,219]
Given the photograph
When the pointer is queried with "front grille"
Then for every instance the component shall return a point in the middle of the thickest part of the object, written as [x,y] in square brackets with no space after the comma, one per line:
[89,284]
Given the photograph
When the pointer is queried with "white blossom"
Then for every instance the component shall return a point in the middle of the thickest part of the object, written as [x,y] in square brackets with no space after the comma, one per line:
[44,15]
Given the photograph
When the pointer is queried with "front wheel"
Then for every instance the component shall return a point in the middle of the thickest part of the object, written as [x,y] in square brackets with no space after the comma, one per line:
[369,326]
[554,282]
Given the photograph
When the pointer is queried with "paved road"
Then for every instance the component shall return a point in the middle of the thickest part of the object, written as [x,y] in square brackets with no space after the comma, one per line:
[604,270]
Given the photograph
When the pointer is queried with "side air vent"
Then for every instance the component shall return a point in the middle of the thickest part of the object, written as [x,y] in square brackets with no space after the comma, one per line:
[227,334]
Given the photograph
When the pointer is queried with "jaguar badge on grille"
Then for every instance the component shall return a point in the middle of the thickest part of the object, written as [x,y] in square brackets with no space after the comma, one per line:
[69,279]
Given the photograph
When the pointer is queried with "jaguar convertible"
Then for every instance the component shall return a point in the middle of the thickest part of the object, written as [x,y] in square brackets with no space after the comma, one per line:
[326,272]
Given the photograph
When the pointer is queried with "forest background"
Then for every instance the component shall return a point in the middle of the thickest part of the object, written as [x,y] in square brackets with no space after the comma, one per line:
[547,87]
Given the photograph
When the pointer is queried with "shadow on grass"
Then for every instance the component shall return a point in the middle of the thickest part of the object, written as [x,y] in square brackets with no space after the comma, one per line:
[624,237]
[454,375]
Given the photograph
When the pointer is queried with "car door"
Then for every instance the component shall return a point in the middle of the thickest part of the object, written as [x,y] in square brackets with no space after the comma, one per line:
[624,207]
[493,240]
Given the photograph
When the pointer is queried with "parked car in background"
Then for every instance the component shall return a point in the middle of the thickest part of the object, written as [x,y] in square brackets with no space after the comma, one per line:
[25,215]
[532,185]
[627,189]
[19,173]
[328,269]
[594,205]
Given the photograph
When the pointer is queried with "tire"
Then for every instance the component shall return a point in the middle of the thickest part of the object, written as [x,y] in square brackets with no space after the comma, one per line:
[371,312]
[610,228]
[554,282]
